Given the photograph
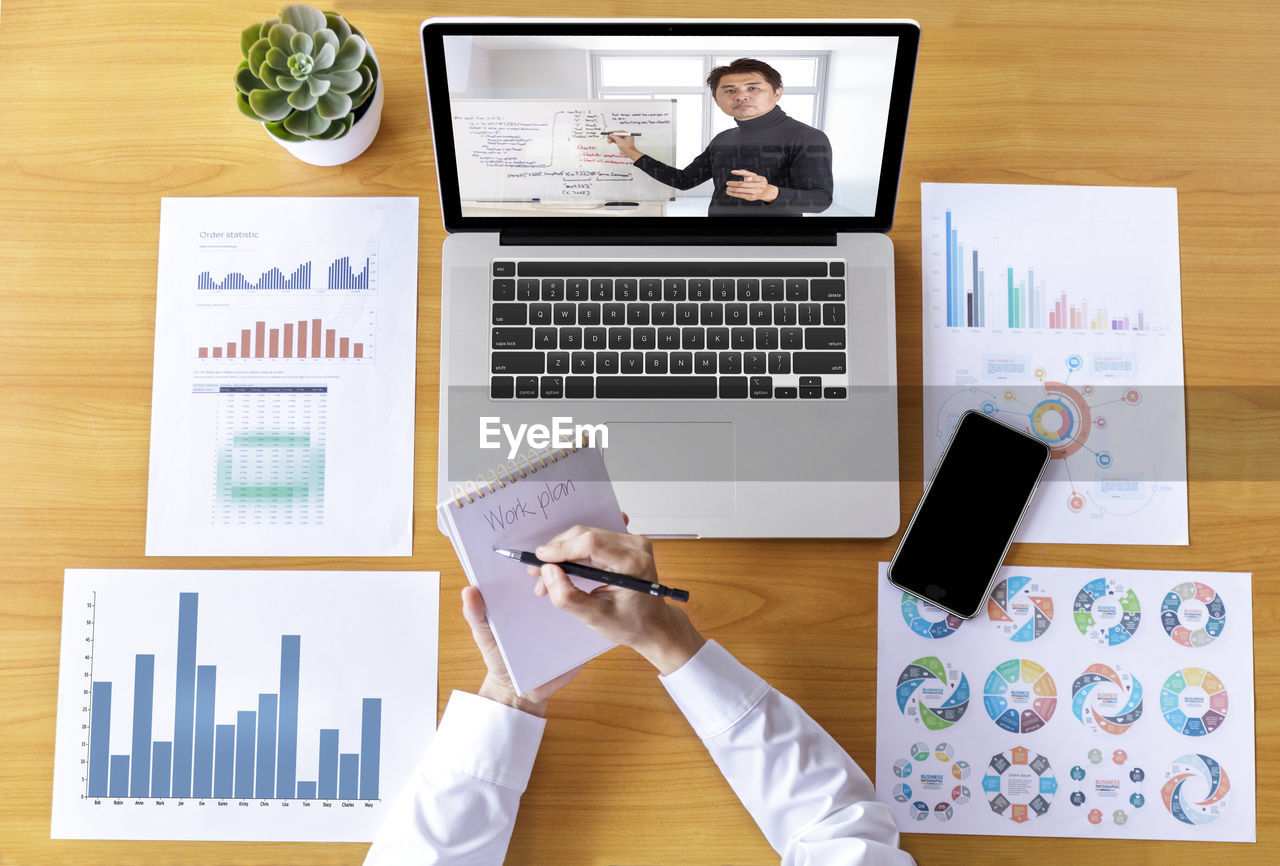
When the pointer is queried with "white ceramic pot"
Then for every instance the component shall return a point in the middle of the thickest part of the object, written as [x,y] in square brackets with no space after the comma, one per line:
[344,149]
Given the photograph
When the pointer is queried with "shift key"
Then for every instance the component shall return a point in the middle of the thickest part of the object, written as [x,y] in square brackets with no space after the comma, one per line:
[518,362]
[803,363]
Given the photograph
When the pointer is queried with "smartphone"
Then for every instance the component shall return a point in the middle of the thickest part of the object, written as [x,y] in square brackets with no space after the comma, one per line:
[969,514]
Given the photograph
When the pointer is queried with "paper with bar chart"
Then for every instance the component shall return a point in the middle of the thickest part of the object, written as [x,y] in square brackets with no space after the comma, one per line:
[282,405]
[1057,309]
[237,705]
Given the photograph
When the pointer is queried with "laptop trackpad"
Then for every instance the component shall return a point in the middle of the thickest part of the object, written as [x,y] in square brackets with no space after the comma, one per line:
[684,469]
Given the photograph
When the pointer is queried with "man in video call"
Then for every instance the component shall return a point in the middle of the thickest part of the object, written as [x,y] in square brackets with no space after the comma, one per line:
[769,164]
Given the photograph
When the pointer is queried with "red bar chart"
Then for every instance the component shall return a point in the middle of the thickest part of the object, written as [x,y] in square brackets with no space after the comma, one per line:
[293,338]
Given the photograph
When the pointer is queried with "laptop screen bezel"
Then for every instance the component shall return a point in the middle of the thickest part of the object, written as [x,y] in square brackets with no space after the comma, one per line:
[435,29]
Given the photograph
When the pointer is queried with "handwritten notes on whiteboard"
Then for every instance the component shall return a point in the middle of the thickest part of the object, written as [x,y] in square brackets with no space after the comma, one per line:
[556,150]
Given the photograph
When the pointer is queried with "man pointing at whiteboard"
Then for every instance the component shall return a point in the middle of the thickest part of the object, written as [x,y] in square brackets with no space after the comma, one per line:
[768,164]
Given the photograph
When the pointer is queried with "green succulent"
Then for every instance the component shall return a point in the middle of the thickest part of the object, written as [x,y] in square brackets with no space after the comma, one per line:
[304,74]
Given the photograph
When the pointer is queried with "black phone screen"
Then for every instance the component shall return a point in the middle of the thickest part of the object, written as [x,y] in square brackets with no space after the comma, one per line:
[964,524]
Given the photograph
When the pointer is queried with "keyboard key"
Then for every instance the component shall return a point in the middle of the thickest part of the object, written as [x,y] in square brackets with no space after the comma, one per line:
[730,363]
[632,363]
[626,290]
[699,290]
[607,363]
[517,362]
[526,387]
[602,290]
[818,362]
[686,314]
[761,387]
[833,314]
[579,388]
[717,338]
[540,314]
[779,363]
[637,314]
[510,314]
[810,388]
[755,362]
[772,289]
[742,338]
[837,269]
[588,314]
[784,393]
[674,290]
[693,338]
[619,338]
[668,338]
[504,290]
[546,338]
[651,290]
[681,363]
[527,290]
[614,314]
[824,338]
[722,290]
[553,290]
[504,269]
[570,338]
[576,290]
[595,339]
[797,290]
[735,314]
[564,314]
[552,387]
[784,314]
[748,290]
[502,387]
[558,363]
[766,338]
[655,362]
[656,387]
[792,338]
[811,314]
[733,387]
[826,290]
[512,338]
[671,268]
[704,363]
[711,314]
[663,314]
[644,338]
[582,362]
[834,393]
[760,314]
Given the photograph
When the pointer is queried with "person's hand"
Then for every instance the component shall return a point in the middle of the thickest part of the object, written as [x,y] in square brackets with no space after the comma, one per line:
[752,187]
[626,145]
[497,683]
[657,630]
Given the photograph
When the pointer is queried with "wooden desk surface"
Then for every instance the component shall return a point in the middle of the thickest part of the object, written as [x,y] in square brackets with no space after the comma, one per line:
[97,130]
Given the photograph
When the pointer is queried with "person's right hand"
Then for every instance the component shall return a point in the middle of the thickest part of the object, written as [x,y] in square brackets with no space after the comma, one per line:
[659,631]
[626,145]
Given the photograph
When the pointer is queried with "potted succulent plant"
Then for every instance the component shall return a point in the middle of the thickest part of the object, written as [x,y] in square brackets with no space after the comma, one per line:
[312,81]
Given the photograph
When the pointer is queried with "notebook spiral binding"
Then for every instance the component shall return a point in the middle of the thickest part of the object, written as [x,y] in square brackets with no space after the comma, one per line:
[525,464]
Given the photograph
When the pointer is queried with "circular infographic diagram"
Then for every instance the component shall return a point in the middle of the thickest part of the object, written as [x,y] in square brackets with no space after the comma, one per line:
[927,620]
[1020,609]
[1194,701]
[1195,789]
[1019,784]
[933,782]
[1020,696]
[1193,614]
[1107,699]
[1107,612]
[1107,787]
[932,694]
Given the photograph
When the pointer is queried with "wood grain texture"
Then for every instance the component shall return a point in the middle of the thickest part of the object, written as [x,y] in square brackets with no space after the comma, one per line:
[110,106]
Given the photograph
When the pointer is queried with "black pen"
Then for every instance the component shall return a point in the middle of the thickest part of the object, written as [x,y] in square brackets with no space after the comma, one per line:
[597,574]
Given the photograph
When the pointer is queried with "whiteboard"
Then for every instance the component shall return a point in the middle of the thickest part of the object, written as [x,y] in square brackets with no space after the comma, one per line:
[555,149]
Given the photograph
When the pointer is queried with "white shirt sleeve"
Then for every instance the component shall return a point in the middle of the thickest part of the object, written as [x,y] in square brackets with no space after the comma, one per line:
[459,807]
[812,801]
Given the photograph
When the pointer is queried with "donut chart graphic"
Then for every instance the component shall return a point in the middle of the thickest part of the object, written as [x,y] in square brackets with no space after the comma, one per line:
[939,782]
[1195,789]
[1020,609]
[1019,784]
[1193,614]
[1062,419]
[927,620]
[1107,787]
[1107,612]
[932,694]
[1020,696]
[1106,699]
[1194,701]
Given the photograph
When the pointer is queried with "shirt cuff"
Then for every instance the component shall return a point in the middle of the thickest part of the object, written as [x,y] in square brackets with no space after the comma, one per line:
[487,740]
[714,690]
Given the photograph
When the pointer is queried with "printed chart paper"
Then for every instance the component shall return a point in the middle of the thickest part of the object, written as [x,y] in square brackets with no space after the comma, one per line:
[282,402]
[241,705]
[1080,702]
[1057,309]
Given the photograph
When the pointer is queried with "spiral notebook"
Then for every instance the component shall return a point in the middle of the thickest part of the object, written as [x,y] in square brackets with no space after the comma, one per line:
[521,505]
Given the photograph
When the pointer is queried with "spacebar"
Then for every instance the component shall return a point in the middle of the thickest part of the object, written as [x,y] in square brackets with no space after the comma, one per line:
[659,387]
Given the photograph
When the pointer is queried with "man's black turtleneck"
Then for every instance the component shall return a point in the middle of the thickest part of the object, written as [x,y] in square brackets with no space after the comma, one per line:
[793,156]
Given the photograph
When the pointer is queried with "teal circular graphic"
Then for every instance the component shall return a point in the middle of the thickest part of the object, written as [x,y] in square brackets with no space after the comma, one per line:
[1193,614]
[927,620]
[1195,789]
[1106,699]
[1194,701]
[1020,609]
[1107,611]
[931,694]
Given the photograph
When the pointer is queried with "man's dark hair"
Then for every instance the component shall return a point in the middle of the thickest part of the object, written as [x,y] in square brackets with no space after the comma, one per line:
[741,65]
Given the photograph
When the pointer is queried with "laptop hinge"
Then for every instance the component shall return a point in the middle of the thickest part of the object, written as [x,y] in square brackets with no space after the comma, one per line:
[519,236]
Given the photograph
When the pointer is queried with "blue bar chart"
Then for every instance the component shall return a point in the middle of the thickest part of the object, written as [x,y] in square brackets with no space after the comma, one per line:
[241,698]
[282,270]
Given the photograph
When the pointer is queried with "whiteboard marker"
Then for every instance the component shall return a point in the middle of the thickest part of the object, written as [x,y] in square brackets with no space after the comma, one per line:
[619,132]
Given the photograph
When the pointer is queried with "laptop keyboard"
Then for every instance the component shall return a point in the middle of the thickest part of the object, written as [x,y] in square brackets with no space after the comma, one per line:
[654,329]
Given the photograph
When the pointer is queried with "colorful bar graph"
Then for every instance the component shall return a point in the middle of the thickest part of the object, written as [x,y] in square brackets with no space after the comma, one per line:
[276,340]
[254,757]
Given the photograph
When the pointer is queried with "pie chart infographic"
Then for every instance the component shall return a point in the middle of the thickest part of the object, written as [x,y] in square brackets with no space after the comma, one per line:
[926,619]
[1194,701]
[1107,612]
[1020,609]
[932,694]
[932,782]
[1020,696]
[1193,614]
[1195,789]
[1108,787]
[1106,699]
[1019,784]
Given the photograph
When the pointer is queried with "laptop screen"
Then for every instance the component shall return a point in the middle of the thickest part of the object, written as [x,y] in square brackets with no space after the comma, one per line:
[748,125]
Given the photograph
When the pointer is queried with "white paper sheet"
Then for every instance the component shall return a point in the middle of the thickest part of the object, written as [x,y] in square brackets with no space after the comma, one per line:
[1080,702]
[241,705]
[1075,334]
[302,443]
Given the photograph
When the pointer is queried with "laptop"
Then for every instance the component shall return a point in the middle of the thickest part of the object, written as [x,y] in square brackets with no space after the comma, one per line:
[667,239]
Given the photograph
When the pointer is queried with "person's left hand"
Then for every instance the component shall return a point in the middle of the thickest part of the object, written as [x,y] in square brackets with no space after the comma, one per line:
[497,683]
[752,187]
